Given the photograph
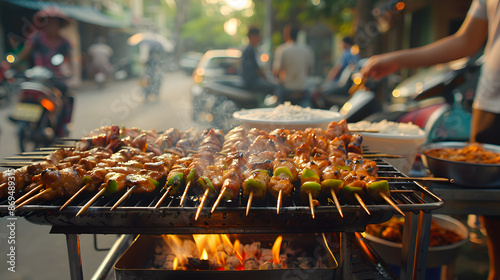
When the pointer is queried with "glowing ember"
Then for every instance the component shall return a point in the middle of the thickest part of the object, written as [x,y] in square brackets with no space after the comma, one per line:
[218,252]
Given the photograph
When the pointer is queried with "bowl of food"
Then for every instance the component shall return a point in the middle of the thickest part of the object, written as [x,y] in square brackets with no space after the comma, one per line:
[394,138]
[448,236]
[468,164]
[286,116]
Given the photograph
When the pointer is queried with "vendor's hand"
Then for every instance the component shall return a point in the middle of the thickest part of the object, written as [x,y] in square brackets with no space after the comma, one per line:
[379,66]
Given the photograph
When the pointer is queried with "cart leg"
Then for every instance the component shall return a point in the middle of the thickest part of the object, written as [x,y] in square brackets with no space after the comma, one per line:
[423,236]
[345,254]
[409,245]
[74,256]
[416,235]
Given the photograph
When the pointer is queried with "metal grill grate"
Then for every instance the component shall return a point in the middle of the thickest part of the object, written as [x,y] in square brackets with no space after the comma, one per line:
[137,214]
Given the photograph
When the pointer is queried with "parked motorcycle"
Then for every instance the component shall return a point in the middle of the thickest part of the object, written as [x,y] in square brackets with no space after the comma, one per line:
[439,100]
[42,112]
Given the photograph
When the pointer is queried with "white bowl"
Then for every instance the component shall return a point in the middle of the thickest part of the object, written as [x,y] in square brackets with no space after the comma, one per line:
[262,118]
[437,256]
[403,145]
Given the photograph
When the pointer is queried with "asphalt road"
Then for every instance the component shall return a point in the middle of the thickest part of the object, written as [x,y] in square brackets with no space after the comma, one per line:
[43,256]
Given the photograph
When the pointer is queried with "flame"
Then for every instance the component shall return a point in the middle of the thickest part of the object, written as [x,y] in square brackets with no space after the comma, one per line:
[276,249]
[237,246]
[204,255]
[175,244]
[176,263]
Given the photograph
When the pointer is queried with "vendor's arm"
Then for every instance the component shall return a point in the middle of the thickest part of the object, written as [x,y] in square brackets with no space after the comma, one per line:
[465,42]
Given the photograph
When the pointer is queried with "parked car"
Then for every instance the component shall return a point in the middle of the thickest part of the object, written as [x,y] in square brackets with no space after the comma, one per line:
[189,61]
[214,65]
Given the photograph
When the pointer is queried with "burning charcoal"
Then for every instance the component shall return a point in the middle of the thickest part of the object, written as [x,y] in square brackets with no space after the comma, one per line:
[290,263]
[252,250]
[307,263]
[251,264]
[159,260]
[266,255]
[270,266]
[233,261]
[169,262]
[204,265]
[228,267]
[221,256]
[189,247]
[193,263]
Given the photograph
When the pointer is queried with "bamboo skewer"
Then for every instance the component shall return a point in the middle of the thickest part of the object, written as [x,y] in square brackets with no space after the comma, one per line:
[311,205]
[36,153]
[280,200]
[222,191]
[249,203]
[162,198]
[74,196]
[184,194]
[25,158]
[364,130]
[357,86]
[92,200]
[16,163]
[337,203]
[28,194]
[362,203]
[431,179]
[202,203]
[386,198]
[124,196]
[381,155]
[33,198]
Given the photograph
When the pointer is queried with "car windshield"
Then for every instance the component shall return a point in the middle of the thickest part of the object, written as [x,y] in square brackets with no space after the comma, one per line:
[223,62]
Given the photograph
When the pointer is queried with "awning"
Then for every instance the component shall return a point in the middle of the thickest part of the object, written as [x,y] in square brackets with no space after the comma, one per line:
[81,13]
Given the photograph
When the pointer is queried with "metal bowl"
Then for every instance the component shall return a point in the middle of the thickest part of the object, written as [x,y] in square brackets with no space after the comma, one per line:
[437,256]
[471,175]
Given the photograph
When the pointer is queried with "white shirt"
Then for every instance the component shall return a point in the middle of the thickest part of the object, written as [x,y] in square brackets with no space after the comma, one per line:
[296,61]
[487,96]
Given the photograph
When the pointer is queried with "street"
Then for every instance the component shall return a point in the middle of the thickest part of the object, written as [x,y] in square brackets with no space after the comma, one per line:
[43,256]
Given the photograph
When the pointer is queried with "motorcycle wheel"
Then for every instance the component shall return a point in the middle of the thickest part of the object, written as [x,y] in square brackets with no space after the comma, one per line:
[26,141]
[34,137]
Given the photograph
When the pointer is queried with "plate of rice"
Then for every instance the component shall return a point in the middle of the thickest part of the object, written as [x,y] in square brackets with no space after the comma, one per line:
[286,116]
[392,138]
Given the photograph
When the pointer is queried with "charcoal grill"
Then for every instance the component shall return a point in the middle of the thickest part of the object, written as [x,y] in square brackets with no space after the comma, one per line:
[137,215]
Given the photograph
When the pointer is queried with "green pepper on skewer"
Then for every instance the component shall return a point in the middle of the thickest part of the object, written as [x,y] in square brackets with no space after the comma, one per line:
[354,191]
[380,191]
[207,185]
[256,186]
[334,187]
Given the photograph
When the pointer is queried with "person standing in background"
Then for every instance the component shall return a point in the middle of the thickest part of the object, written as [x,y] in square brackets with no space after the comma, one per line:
[293,63]
[254,78]
[482,25]
[349,57]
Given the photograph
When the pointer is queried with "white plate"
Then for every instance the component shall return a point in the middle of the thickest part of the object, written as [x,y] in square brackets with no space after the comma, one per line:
[255,118]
